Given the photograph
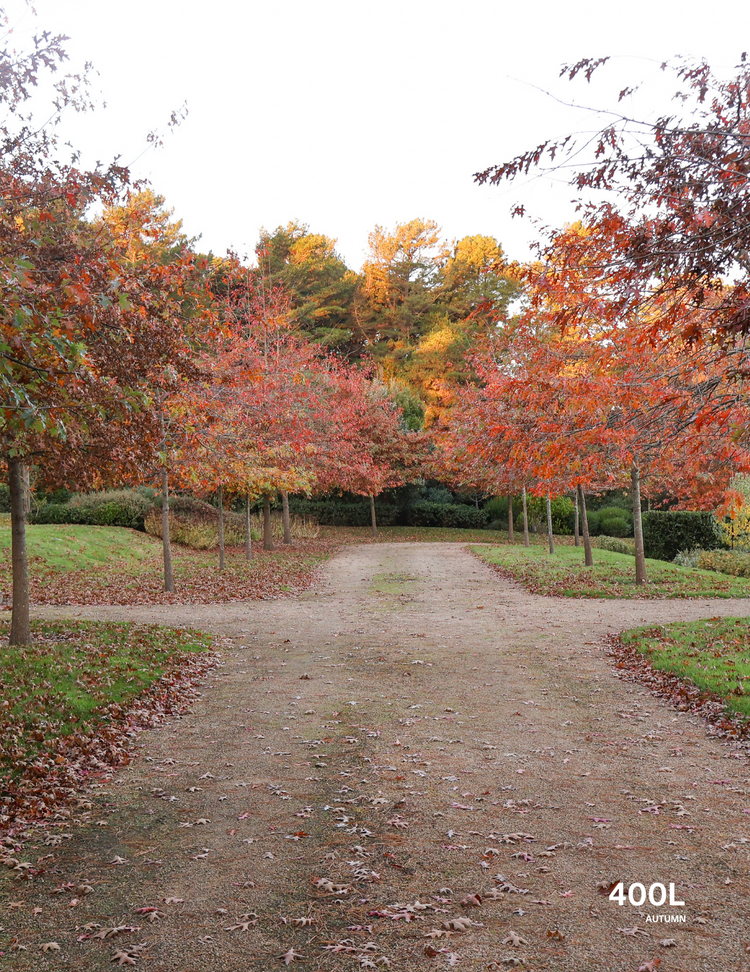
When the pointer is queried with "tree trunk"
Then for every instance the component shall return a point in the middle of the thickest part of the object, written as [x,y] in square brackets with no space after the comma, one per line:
[285,517]
[526,541]
[165,542]
[373,520]
[267,533]
[640,556]
[26,483]
[588,557]
[20,626]
[549,524]
[576,536]
[511,538]
[221,529]
[248,534]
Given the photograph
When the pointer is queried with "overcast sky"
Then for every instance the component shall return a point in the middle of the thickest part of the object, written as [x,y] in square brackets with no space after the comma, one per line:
[347,114]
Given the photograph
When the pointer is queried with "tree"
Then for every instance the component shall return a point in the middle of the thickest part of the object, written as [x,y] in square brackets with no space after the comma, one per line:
[364,446]
[319,284]
[681,209]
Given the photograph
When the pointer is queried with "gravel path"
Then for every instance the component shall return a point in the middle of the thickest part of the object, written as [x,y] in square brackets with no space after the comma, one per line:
[414,732]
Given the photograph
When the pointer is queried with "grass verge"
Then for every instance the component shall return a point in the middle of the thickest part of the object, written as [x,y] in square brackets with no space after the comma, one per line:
[701,666]
[613,575]
[73,698]
[67,547]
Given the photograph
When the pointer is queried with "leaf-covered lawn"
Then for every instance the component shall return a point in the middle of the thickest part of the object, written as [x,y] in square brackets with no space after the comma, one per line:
[129,577]
[698,665]
[74,564]
[613,575]
[71,700]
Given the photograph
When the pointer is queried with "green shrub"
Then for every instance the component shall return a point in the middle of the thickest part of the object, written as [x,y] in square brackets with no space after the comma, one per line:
[611,521]
[496,508]
[688,558]
[447,515]
[615,544]
[725,562]
[195,524]
[666,533]
[120,507]
[563,514]
[4,498]
[344,510]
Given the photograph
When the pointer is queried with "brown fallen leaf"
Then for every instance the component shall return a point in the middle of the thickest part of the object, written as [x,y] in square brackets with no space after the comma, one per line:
[123,958]
[50,947]
[471,901]
[556,935]
[458,924]
[514,939]
[291,956]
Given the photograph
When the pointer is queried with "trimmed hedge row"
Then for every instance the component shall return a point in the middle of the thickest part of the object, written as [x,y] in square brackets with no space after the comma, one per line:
[665,533]
[122,508]
[447,515]
[340,511]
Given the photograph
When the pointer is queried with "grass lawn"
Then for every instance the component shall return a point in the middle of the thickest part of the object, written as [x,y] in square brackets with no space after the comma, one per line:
[408,534]
[714,655]
[67,547]
[76,564]
[72,692]
[613,574]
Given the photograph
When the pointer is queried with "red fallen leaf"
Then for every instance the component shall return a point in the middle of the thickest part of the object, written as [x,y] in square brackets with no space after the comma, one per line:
[471,901]
[606,887]
[651,966]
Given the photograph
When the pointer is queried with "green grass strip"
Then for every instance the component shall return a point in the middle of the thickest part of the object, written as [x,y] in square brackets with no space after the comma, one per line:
[563,574]
[78,677]
[714,655]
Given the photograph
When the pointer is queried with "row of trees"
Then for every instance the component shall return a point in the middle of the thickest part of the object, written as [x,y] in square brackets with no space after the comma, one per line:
[125,354]
[630,358]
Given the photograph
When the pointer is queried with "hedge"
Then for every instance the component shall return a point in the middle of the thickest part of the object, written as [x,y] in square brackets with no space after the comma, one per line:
[343,511]
[447,515]
[666,533]
[122,508]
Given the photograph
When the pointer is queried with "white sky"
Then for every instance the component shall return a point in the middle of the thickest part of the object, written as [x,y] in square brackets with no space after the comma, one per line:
[344,114]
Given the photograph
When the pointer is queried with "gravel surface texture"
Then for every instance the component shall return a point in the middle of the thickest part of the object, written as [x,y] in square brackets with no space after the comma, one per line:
[415,765]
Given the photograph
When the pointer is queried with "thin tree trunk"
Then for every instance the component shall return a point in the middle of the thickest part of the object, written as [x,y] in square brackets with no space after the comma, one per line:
[267,532]
[165,542]
[373,520]
[588,557]
[511,538]
[549,524]
[640,556]
[221,529]
[248,534]
[526,541]
[576,535]
[26,482]
[20,626]
[285,517]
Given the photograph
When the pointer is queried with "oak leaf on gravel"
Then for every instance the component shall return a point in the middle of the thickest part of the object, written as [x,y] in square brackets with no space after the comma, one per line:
[291,956]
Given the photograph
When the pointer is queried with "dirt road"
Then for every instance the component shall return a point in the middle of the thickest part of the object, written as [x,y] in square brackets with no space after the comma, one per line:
[416,754]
